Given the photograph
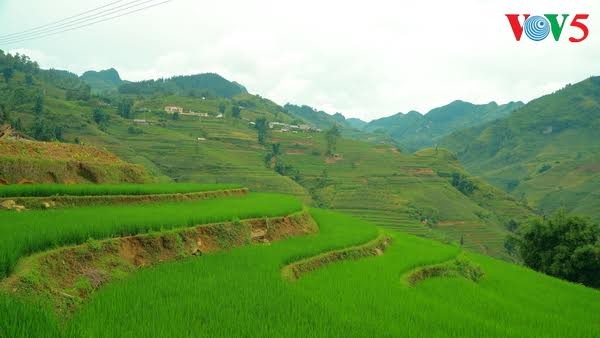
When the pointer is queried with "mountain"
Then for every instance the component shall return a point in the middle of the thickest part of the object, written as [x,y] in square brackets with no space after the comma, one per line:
[414,131]
[200,85]
[396,125]
[102,81]
[547,152]
[356,123]
[321,119]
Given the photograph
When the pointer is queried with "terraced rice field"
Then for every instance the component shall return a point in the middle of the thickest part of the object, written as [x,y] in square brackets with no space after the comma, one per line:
[28,232]
[242,292]
[45,190]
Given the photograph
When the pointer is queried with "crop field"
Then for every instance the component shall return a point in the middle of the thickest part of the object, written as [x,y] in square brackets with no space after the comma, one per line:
[28,232]
[241,292]
[45,190]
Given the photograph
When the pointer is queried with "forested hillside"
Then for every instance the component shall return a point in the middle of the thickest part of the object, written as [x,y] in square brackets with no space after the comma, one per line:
[546,153]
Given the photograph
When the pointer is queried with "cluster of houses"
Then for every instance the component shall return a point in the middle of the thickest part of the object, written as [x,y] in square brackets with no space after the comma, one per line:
[180,111]
[285,127]
[277,126]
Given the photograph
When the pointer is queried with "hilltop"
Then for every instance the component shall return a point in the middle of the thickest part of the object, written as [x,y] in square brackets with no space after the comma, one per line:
[104,81]
[200,85]
[546,153]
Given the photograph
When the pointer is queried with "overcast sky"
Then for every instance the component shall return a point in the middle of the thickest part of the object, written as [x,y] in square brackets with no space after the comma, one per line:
[364,59]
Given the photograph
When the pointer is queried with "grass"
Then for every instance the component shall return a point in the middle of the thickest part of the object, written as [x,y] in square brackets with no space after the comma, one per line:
[46,190]
[242,293]
[25,233]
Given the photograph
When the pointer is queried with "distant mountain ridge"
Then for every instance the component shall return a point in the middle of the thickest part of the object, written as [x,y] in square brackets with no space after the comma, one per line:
[415,131]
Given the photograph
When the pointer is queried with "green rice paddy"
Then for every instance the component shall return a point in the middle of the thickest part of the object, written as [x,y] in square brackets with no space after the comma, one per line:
[28,232]
[46,190]
[241,292]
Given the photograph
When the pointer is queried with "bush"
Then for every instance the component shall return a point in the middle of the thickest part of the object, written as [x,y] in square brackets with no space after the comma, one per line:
[135,130]
[544,168]
[463,183]
[563,246]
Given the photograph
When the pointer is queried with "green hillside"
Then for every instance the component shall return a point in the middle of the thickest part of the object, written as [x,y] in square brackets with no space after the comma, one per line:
[214,140]
[545,153]
[414,131]
[262,265]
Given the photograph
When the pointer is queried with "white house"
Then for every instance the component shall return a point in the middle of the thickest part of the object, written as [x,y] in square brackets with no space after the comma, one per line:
[173,109]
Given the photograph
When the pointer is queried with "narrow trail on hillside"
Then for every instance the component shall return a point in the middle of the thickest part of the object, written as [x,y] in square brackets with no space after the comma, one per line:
[457,266]
[376,247]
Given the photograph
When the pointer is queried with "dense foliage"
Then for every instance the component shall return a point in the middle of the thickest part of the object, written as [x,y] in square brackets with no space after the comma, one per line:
[23,90]
[201,85]
[564,246]
[463,183]
[331,138]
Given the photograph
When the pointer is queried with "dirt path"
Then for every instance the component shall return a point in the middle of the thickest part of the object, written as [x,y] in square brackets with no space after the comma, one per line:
[375,247]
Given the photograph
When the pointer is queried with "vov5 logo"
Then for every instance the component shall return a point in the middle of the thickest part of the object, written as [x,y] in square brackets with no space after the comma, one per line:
[537,28]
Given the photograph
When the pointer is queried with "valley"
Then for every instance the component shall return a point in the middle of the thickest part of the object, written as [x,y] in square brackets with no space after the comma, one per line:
[189,207]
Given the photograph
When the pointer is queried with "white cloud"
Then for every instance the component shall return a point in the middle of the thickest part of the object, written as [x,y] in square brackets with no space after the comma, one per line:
[363,59]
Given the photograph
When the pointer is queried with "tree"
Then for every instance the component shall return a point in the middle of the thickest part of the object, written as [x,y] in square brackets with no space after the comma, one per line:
[44,130]
[463,183]
[38,107]
[29,79]
[276,149]
[512,225]
[125,108]
[4,116]
[563,246]
[175,116]
[273,154]
[222,107]
[236,112]
[262,127]
[18,124]
[100,117]
[331,137]
[8,73]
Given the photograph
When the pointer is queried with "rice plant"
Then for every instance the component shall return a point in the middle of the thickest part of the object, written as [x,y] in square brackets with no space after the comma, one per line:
[33,231]
[46,190]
